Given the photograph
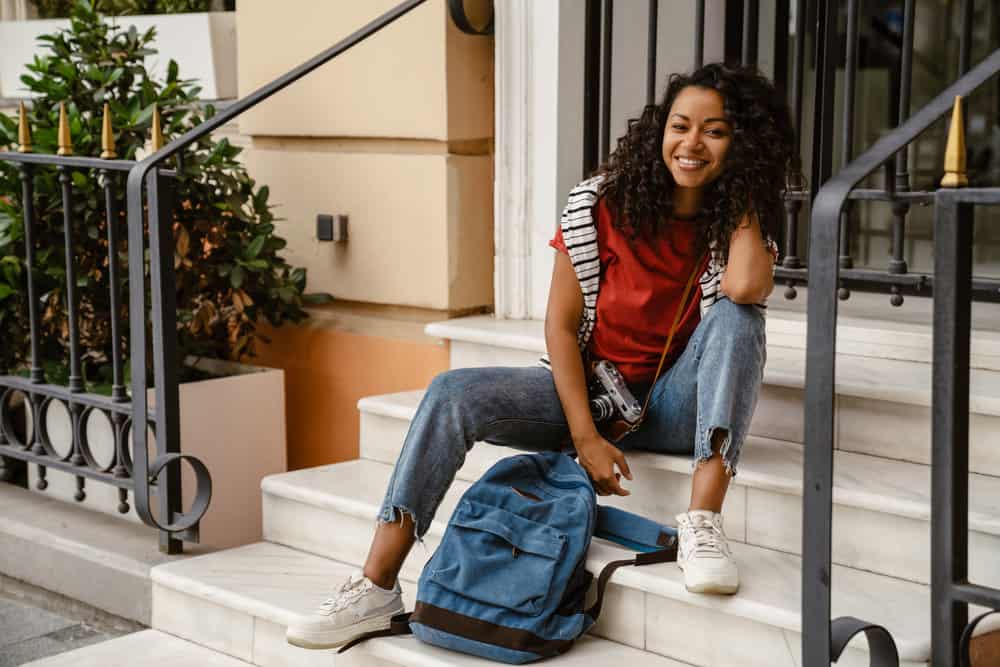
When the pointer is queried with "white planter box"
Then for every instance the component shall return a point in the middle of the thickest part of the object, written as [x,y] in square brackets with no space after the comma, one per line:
[203,44]
[234,424]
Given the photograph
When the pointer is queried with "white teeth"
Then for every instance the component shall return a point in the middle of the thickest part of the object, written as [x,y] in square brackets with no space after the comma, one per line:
[691,163]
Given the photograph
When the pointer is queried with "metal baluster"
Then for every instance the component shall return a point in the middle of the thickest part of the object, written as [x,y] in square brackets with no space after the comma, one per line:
[75,374]
[750,19]
[851,67]
[163,314]
[112,211]
[793,206]
[591,87]
[28,202]
[965,39]
[654,6]
[897,265]
[699,33]
[606,45]
[953,235]
[817,512]
[953,221]
[66,148]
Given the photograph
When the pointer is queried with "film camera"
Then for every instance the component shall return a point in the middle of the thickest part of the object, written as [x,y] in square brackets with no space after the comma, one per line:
[610,397]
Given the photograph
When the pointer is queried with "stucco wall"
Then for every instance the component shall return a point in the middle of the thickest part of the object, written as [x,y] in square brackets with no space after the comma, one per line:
[396,133]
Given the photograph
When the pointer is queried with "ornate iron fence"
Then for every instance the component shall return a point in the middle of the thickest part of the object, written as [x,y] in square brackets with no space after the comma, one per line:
[129,467]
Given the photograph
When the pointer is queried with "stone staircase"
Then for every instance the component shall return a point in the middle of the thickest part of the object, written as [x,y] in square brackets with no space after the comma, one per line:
[318,522]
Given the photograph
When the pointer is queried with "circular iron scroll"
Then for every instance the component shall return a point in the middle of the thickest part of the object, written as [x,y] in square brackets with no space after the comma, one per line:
[964,659]
[881,646]
[457,10]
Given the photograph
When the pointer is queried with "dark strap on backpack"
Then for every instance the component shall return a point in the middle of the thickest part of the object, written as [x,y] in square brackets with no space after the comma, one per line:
[668,555]
[398,625]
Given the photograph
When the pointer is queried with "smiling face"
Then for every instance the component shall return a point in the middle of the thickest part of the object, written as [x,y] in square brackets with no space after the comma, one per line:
[696,138]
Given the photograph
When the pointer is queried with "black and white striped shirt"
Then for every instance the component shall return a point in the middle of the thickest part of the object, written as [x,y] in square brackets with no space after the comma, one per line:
[580,236]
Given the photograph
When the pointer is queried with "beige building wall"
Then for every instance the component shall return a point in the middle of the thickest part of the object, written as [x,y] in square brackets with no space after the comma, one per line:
[396,133]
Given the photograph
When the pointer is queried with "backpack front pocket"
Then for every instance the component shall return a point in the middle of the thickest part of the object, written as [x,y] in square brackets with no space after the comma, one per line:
[498,557]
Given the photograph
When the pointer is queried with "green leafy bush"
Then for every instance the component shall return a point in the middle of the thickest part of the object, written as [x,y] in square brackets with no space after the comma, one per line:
[52,9]
[228,270]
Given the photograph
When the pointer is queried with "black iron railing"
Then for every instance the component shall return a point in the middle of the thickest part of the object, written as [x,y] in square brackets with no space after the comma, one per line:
[832,275]
[833,47]
[953,292]
[149,205]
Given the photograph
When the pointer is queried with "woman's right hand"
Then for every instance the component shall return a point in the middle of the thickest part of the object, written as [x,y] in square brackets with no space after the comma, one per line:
[599,457]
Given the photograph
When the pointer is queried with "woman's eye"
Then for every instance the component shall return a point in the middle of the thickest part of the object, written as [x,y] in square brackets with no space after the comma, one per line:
[679,128]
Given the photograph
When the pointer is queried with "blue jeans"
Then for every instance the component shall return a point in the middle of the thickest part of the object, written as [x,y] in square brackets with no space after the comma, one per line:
[713,385]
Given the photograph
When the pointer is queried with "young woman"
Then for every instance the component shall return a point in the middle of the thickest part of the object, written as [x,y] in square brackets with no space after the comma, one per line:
[693,191]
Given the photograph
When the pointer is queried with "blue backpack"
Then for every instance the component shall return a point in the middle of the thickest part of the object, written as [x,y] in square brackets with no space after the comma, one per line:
[509,579]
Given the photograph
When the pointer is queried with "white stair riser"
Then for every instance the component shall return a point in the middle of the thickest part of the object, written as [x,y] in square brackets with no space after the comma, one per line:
[710,636]
[865,540]
[241,635]
[661,495]
[778,416]
[878,542]
[902,431]
[346,537]
[865,426]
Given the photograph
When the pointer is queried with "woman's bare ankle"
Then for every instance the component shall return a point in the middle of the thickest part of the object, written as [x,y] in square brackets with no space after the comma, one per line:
[389,548]
[380,579]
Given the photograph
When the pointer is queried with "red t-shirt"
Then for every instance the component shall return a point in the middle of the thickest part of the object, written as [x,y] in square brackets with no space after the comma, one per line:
[641,285]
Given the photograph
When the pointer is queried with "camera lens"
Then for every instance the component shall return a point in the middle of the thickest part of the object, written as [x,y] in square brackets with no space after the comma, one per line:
[602,408]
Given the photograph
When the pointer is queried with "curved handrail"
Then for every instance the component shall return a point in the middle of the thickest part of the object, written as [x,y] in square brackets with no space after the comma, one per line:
[138,177]
[817,497]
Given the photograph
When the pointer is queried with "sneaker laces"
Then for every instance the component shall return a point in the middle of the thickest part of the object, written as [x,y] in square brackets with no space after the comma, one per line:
[708,537]
[350,592]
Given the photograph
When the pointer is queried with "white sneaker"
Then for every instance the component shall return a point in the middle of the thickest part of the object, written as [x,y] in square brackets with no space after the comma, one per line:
[703,554]
[357,607]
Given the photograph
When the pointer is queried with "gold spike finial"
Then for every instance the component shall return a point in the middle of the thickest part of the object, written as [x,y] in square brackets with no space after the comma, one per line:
[23,130]
[65,141]
[954,153]
[157,139]
[107,136]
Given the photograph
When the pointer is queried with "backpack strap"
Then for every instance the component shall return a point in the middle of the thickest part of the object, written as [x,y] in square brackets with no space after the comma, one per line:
[648,558]
[656,544]
[633,531]
[398,625]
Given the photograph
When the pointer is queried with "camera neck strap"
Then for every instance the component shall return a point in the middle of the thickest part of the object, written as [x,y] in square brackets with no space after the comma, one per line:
[681,307]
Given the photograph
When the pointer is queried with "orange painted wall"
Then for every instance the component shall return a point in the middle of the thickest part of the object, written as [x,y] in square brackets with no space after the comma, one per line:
[327,371]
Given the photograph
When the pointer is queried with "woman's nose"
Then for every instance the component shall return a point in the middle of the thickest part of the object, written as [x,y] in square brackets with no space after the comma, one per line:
[692,140]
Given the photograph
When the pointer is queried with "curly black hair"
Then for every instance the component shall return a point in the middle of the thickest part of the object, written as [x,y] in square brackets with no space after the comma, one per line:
[639,188]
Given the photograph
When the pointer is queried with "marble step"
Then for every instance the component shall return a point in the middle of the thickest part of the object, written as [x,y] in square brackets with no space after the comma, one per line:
[873,497]
[87,556]
[302,511]
[239,601]
[883,391]
[863,331]
[157,649]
